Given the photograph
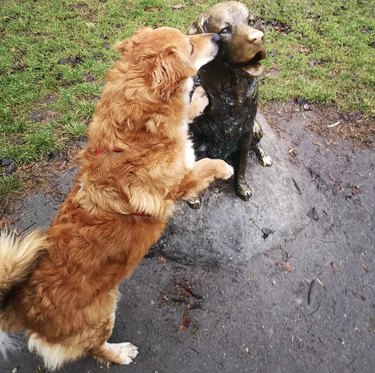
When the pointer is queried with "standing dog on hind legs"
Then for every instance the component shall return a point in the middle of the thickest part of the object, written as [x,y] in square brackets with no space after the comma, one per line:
[228,129]
[60,286]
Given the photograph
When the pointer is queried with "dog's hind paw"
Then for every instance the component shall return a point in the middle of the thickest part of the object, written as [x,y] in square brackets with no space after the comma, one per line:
[127,352]
[119,353]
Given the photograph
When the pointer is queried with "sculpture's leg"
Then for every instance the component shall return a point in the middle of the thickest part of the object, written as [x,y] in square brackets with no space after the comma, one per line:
[240,184]
[264,160]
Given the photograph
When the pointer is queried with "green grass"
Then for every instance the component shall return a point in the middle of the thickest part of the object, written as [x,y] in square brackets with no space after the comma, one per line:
[327,58]
[8,184]
[54,54]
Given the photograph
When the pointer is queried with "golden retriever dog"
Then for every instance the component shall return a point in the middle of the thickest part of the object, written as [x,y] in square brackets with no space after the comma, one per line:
[60,286]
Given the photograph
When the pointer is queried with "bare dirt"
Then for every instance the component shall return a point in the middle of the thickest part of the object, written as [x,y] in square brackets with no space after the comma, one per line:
[282,283]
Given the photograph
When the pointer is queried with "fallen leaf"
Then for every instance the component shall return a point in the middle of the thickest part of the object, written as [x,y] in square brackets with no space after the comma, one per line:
[364,266]
[185,323]
[266,232]
[288,266]
[152,8]
[178,6]
[320,282]
[303,50]
[355,189]
[358,296]
[312,213]
[333,267]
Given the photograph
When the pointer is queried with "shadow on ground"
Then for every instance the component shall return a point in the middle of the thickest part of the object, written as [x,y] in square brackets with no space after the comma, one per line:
[283,283]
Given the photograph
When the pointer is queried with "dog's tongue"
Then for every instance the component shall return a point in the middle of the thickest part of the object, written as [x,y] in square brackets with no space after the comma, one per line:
[255,69]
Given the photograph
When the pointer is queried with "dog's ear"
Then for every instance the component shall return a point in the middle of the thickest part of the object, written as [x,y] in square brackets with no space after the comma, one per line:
[124,46]
[127,45]
[170,68]
[199,26]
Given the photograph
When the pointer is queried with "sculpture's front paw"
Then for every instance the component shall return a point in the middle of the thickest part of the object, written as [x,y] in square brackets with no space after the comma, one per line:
[199,99]
[195,203]
[243,190]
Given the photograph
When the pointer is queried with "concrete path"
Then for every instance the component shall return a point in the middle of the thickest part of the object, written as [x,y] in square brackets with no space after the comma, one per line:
[217,295]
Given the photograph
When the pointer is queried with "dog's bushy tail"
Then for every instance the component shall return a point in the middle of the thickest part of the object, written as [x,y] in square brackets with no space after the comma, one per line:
[18,256]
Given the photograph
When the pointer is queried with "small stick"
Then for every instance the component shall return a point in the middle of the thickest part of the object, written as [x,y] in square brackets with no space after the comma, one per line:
[310,290]
[333,125]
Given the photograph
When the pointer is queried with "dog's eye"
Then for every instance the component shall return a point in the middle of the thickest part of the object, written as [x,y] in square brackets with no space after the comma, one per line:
[225,31]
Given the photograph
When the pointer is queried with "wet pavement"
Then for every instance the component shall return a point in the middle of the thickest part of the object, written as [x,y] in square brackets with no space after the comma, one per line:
[282,283]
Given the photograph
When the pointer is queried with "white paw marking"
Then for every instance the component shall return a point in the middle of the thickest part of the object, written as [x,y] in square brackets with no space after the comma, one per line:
[125,351]
[256,128]
[266,161]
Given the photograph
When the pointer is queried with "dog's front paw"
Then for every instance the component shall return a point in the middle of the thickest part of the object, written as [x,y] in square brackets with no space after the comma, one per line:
[224,170]
[200,100]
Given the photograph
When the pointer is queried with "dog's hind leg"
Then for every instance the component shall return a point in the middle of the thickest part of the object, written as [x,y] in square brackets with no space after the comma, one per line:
[55,355]
[264,160]
[118,353]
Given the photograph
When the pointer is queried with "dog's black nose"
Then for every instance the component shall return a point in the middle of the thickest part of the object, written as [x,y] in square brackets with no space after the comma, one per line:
[216,38]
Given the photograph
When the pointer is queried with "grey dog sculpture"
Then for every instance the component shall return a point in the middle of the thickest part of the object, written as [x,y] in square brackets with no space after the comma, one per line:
[227,129]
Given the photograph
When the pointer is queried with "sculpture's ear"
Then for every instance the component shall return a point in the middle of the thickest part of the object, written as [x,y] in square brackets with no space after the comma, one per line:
[199,26]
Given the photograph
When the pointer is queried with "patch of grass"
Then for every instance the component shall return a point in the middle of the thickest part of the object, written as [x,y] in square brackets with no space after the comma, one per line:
[328,57]
[76,130]
[54,55]
[8,185]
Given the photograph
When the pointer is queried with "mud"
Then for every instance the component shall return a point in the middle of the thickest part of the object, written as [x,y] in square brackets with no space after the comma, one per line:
[282,283]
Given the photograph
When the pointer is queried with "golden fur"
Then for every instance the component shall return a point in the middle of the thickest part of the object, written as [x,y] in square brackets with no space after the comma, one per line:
[61,287]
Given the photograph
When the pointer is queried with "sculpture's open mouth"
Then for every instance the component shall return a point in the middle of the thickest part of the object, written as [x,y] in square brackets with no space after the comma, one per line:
[253,67]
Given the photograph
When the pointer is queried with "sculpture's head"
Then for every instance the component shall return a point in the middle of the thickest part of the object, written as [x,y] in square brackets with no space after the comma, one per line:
[242,40]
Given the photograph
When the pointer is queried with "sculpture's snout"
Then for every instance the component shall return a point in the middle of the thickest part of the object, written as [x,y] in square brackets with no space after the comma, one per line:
[255,36]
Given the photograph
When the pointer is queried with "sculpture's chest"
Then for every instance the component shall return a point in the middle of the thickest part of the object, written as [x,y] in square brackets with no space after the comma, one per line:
[232,95]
